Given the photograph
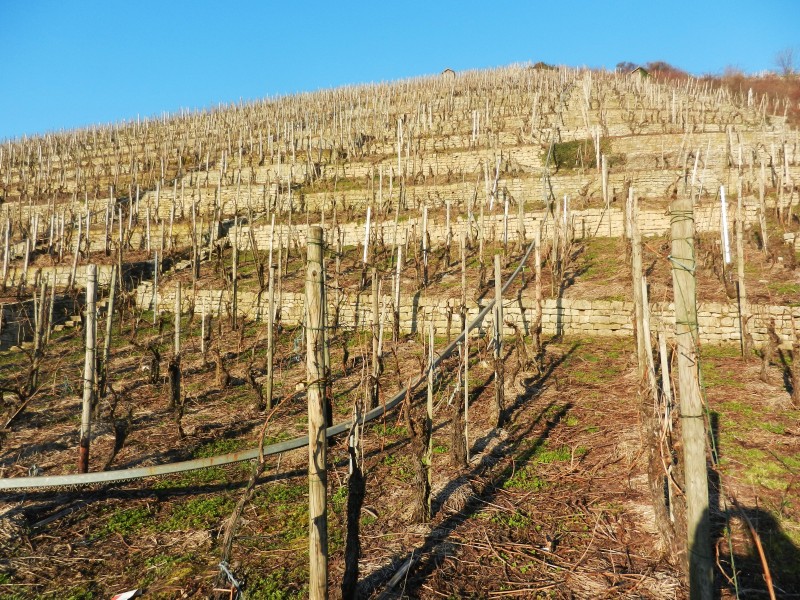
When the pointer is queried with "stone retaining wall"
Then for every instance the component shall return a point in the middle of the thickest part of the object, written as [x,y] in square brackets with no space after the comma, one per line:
[718,323]
[593,222]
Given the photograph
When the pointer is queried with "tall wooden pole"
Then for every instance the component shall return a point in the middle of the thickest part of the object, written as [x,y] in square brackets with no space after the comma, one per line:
[88,369]
[741,292]
[317,441]
[537,266]
[701,576]
[109,322]
[374,390]
[235,273]
[428,460]
[636,268]
[762,211]
[178,318]
[270,335]
[499,374]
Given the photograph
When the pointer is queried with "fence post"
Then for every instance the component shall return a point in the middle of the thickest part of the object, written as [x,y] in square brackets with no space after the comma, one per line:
[177,318]
[88,369]
[317,442]
[270,335]
[109,322]
[740,287]
[499,375]
[701,576]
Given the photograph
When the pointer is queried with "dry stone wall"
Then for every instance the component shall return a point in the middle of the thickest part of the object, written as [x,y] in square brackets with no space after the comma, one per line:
[718,323]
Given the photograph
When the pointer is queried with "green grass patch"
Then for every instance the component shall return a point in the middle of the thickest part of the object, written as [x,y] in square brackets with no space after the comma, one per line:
[776,428]
[217,447]
[713,375]
[721,351]
[287,504]
[384,429]
[524,480]
[129,520]
[207,476]
[277,584]
[399,466]
[784,288]
[197,513]
[512,520]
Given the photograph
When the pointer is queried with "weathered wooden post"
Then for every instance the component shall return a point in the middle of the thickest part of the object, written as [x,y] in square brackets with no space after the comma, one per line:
[499,374]
[740,288]
[606,198]
[537,290]
[425,246]
[177,318]
[74,270]
[270,335]
[701,576]
[203,331]
[155,289]
[107,341]
[638,307]
[88,369]
[762,211]
[51,310]
[317,441]
[6,250]
[174,366]
[376,369]
[428,429]
[466,392]
[235,274]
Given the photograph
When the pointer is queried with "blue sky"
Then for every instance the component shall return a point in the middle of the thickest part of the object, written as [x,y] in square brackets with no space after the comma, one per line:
[70,64]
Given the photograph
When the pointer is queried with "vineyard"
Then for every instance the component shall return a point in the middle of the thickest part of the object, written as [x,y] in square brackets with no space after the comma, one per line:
[518,299]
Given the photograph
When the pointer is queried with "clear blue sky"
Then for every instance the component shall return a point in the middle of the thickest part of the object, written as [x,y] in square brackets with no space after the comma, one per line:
[69,64]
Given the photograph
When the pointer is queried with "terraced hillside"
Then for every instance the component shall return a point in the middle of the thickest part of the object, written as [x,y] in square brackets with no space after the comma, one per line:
[541,463]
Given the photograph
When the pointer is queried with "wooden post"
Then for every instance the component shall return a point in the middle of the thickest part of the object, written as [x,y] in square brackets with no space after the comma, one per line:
[740,290]
[270,335]
[428,429]
[466,392]
[88,369]
[638,306]
[52,306]
[399,269]
[481,260]
[6,250]
[374,390]
[606,201]
[701,576]
[425,246]
[317,441]
[499,375]
[537,321]
[723,229]
[178,318]
[203,330]
[107,341]
[505,226]
[448,235]
[762,211]
[235,274]
[25,261]
[155,289]
[74,270]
